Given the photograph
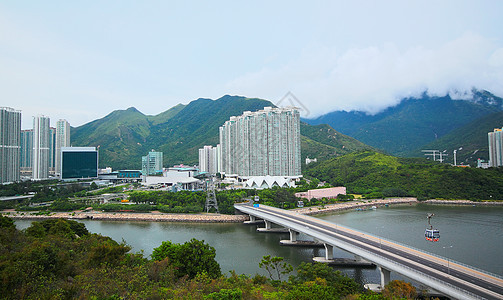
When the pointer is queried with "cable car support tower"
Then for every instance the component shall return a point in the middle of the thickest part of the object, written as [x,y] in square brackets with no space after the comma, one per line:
[211,198]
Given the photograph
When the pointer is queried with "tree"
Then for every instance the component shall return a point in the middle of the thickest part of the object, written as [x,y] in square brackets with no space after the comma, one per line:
[399,289]
[275,266]
[6,222]
[191,258]
[309,272]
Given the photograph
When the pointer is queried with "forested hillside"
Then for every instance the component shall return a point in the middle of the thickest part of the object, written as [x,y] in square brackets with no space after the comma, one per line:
[469,141]
[124,136]
[377,175]
[412,123]
[61,259]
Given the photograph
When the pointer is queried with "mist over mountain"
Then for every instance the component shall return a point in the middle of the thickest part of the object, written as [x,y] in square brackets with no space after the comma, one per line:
[124,136]
[414,122]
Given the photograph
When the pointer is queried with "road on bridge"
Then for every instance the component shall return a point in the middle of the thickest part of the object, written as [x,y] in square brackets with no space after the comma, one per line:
[478,283]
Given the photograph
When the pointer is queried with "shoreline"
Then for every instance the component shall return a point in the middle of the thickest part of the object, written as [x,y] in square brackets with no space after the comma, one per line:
[193,218]
[156,216]
[315,210]
[140,217]
[462,202]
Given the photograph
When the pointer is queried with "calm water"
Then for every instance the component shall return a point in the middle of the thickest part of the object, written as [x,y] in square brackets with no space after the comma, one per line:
[471,235]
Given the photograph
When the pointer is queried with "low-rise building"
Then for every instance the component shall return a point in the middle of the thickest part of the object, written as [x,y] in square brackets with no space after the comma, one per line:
[328,193]
[267,182]
[79,163]
[175,179]
[129,174]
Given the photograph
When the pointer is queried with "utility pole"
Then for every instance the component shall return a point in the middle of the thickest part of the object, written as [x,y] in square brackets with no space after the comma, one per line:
[434,154]
[442,154]
[431,152]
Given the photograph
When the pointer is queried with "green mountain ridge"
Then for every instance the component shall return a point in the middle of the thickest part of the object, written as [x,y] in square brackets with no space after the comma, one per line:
[470,141]
[378,175]
[413,123]
[124,136]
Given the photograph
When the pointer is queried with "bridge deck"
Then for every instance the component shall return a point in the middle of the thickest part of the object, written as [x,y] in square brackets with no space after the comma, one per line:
[453,279]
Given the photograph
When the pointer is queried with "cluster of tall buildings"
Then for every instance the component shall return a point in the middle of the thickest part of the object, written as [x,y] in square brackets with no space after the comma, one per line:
[34,151]
[496,147]
[265,142]
[261,143]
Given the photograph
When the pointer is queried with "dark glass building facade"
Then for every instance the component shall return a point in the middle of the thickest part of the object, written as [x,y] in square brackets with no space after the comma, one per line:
[79,162]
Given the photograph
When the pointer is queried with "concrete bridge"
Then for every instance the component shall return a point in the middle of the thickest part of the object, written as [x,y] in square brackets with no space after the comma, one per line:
[440,274]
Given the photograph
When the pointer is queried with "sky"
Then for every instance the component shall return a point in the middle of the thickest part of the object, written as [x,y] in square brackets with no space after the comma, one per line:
[81,60]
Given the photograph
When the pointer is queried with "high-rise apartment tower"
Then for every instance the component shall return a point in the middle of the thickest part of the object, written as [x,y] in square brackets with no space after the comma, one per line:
[266,142]
[10,144]
[209,158]
[495,147]
[26,151]
[41,147]
[62,140]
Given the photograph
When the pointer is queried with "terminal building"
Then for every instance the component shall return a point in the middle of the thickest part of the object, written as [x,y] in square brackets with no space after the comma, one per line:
[79,163]
[175,179]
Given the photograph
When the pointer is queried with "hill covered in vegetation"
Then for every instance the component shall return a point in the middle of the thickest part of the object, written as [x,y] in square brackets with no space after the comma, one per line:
[414,122]
[61,259]
[124,136]
[470,141]
[378,175]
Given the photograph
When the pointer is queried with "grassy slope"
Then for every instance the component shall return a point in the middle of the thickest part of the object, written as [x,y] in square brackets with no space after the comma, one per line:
[372,172]
[472,138]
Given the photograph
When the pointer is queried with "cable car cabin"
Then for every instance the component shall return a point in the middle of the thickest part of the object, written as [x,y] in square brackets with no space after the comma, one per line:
[432,235]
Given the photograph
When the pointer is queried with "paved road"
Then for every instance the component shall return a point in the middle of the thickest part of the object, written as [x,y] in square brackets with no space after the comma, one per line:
[16,197]
[473,281]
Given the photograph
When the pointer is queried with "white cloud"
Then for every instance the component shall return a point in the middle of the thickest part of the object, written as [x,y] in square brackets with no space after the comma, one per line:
[373,78]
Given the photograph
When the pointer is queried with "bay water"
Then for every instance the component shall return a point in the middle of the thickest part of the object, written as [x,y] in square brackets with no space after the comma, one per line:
[472,235]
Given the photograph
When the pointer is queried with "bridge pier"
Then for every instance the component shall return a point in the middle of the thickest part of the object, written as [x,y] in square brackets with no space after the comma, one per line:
[294,242]
[329,252]
[267,224]
[329,259]
[293,235]
[268,228]
[385,275]
[253,220]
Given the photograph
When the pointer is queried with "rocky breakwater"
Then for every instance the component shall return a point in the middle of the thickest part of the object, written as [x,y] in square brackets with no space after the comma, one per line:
[145,217]
[463,202]
[354,205]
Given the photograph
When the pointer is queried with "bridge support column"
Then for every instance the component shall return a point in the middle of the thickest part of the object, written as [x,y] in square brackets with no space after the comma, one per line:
[329,251]
[385,274]
[293,235]
[252,218]
[267,224]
